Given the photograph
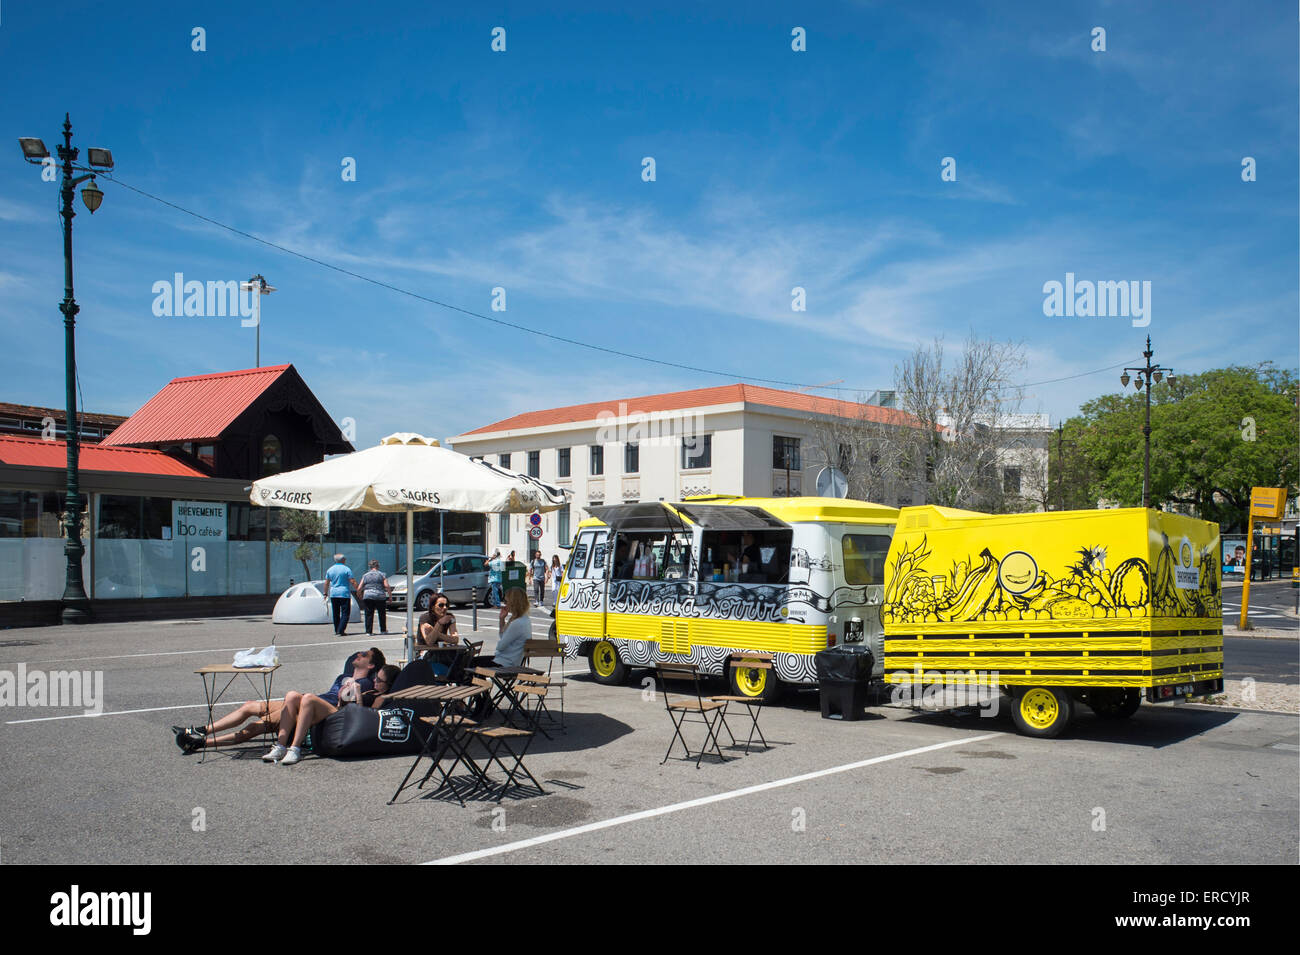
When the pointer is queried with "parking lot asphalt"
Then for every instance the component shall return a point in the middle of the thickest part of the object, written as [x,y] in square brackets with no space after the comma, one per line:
[1174,784]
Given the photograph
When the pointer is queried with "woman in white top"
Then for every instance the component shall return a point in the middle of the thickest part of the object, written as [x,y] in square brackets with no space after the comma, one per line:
[557,571]
[516,629]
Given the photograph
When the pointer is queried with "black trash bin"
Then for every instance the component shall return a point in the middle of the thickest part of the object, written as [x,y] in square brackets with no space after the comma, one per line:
[844,678]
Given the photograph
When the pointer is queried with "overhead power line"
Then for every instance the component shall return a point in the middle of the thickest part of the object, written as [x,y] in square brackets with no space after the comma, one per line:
[524,328]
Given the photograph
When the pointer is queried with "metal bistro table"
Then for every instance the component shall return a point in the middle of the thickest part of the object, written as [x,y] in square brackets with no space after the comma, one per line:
[212,696]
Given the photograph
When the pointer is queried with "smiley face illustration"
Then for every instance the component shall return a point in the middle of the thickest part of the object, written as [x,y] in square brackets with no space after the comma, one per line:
[1017,572]
[1185,553]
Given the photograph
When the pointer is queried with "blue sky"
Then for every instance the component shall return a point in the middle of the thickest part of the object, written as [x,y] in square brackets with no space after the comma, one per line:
[522,169]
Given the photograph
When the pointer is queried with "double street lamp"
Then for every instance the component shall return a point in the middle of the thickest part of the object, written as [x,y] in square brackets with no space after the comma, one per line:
[76,605]
[1142,380]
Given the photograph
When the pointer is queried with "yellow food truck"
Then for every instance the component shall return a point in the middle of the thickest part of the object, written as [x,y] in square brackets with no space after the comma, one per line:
[694,582]
[1052,609]
[1059,608]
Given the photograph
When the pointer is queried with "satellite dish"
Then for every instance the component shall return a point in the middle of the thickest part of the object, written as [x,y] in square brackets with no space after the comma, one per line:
[831,482]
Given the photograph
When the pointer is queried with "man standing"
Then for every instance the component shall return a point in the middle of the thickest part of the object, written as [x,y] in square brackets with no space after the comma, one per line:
[495,568]
[341,583]
[539,578]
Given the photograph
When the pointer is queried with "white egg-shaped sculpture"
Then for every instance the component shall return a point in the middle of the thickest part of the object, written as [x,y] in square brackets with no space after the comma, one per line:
[306,603]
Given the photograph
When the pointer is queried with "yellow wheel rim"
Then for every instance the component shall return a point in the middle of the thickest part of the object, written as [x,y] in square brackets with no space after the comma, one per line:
[1039,708]
[751,681]
[604,658]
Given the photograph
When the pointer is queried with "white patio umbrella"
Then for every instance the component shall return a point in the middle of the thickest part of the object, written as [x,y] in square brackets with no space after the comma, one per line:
[407,473]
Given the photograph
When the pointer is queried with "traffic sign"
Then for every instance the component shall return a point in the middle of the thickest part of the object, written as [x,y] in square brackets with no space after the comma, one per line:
[535,532]
[534,518]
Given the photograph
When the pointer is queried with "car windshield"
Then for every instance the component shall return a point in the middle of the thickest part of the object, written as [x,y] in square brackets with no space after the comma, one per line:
[424,564]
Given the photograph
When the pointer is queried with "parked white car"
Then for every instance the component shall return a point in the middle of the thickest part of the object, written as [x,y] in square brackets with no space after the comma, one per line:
[462,574]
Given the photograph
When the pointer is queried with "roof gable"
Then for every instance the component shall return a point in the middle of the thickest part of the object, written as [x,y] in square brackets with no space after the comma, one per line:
[205,407]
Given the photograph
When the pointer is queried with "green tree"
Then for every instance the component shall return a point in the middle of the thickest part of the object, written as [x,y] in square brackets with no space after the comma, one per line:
[1214,436]
[307,527]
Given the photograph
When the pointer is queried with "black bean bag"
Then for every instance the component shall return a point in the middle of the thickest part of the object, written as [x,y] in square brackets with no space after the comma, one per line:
[356,730]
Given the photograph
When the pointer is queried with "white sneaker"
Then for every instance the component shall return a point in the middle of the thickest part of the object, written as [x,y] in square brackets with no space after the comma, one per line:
[275,755]
[292,756]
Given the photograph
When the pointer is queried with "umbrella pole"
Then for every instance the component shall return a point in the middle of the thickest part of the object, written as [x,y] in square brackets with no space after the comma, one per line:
[410,582]
[442,564]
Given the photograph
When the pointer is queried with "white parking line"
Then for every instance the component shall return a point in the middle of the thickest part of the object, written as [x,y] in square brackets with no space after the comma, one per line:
[172,653]
[153,709]
[693,803]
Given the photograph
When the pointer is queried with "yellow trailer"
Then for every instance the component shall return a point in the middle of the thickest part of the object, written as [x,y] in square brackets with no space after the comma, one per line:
[1058,608]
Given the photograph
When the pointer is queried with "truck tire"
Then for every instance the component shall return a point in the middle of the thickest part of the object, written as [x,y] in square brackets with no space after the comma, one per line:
[753,683]
[1042,712]
[1115,702]
[607,668]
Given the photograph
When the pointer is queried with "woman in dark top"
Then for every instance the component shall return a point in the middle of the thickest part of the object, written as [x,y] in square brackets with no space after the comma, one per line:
[373,590]
[437,625]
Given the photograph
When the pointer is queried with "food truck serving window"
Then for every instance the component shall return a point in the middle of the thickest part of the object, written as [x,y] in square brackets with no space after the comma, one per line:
[746,557]
[864,558]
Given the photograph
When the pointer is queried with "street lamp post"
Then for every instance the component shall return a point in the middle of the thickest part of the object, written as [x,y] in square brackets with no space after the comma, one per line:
[1142,379]
[76,605]
[259,287]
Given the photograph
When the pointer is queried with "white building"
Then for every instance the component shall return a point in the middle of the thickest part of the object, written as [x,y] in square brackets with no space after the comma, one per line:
[733,439]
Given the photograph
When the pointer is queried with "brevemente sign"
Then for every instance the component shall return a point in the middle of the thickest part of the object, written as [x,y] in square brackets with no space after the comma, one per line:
[203,519]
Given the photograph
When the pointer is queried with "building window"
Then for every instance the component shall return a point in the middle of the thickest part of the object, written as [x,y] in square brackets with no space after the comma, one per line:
[562,466]
[503,528]
[697,451]
[504,461]
[785,454]
[272,455]
[535,464]
[597,459]
[1011,480]
[631,458]
[207,454]
[562,525]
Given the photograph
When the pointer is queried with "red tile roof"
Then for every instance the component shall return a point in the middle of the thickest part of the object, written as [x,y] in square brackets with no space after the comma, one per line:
[35,453]
[197,408]
[698,398]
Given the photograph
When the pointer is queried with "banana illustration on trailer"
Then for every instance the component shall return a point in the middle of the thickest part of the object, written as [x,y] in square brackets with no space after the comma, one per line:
[1016,588]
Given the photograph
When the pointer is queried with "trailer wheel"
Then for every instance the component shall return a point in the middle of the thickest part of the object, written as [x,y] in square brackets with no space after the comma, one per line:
[1042,712]
[1115,702]
[605,665]
[754,683]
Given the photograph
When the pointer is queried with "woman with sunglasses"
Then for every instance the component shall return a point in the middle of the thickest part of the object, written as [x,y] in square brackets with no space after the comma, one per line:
[437,626]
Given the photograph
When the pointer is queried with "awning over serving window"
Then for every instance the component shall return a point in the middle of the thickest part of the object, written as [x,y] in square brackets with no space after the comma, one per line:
[631,518]
[731,517]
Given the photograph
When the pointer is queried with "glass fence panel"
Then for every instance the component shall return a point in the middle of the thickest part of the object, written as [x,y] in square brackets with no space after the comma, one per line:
[246,567]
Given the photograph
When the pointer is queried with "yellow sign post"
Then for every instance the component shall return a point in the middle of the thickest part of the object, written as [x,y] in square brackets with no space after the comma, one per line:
[1269,503]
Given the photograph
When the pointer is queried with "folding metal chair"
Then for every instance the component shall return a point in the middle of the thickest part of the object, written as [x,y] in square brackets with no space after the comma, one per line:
[691,708]
[496,739]
[753,704]
[551,651]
